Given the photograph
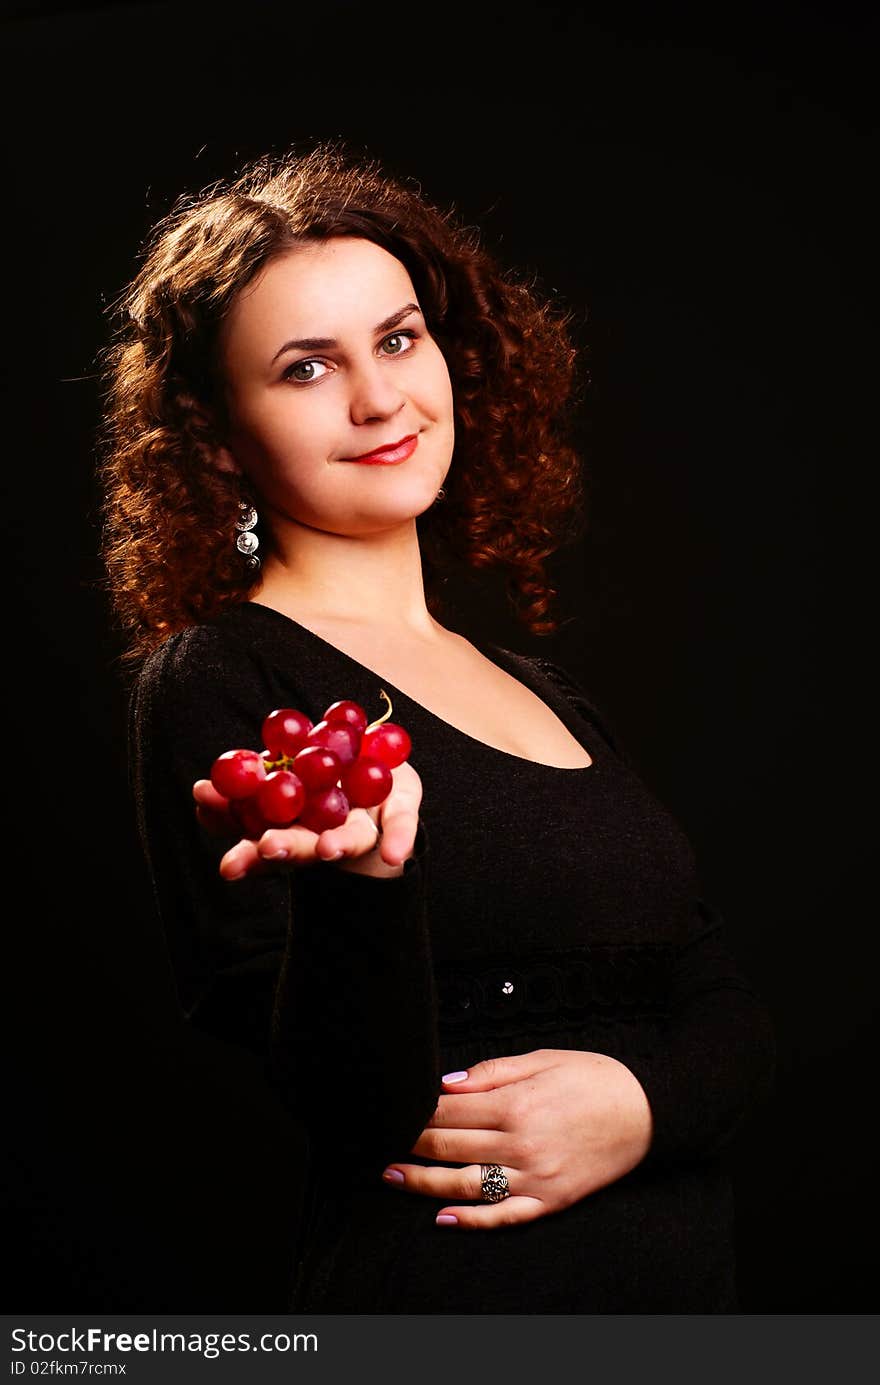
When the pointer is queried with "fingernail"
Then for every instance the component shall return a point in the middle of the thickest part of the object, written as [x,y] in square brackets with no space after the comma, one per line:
[454,1077]
[446,1219]
[281,855]
[394,1176]
[336,856]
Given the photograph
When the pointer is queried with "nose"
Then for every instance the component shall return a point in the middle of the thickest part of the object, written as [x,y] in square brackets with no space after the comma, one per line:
[373,394]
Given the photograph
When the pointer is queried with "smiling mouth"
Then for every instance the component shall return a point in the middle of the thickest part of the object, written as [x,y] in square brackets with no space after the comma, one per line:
[391,455]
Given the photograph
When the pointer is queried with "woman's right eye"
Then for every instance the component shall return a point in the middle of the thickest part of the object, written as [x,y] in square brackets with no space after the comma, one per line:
[303,365]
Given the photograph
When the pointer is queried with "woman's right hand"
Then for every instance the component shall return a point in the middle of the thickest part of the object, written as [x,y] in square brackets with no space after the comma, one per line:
[362,852]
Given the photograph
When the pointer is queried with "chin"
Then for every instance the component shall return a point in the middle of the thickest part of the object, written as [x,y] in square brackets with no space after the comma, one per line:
[409,500]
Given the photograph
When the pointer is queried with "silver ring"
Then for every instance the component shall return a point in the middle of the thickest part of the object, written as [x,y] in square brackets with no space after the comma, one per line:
[493,1187]
[375,824]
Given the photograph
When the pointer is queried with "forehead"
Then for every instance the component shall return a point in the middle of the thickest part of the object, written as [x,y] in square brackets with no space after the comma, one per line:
[326,289]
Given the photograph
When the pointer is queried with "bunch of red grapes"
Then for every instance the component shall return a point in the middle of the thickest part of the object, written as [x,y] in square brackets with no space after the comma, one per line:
[311,774]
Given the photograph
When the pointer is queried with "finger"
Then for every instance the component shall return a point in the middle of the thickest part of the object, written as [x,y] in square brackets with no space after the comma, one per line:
[294,845]
[497,1072]
[399,815]
[357,836]
[206,795]
[360,834]
[465,1184]
[463,1146]
[241,860]
[218,822]
[399,828]
[485,1215]
[213,810]
[470,1111]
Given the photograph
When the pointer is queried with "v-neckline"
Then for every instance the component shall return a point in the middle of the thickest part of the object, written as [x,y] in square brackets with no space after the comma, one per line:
[490,652]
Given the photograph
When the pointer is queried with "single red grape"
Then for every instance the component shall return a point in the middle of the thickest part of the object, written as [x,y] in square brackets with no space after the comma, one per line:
[280,797]
[337,736]
[349,713]
[389,743]
[317,767]
[366,782]
[285,730]
[238,773]
[246,812]
[325,808]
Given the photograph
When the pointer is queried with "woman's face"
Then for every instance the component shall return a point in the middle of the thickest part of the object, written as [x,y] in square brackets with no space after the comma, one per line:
[327,357]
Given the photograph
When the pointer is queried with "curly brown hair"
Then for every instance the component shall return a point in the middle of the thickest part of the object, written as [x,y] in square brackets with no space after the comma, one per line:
[515,491]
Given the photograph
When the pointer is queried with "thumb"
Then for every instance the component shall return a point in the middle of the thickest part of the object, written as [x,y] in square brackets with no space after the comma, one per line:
[496,1072]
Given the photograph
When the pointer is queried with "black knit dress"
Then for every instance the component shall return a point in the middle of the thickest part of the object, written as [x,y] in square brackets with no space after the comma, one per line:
[544,908]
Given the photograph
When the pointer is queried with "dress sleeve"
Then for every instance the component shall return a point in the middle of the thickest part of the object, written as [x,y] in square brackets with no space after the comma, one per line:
[715,1064]
[326,975]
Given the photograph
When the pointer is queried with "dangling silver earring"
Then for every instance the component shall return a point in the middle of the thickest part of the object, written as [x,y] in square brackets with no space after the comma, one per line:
[246,540]
[441,495]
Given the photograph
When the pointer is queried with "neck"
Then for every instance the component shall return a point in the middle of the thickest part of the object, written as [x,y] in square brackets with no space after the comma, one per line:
[338,579]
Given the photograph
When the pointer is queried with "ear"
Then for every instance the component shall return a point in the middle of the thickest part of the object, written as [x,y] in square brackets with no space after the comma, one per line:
[223,460]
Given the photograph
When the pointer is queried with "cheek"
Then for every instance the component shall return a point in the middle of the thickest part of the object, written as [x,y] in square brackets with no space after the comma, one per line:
[283,437]
[439,385]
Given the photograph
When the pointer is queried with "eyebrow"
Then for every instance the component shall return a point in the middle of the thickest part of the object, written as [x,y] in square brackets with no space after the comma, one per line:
[327,343]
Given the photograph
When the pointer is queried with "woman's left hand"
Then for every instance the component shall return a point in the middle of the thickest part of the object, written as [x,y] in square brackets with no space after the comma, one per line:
[561,1123]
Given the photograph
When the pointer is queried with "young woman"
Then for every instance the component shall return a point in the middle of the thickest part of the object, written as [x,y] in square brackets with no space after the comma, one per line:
[497,1002]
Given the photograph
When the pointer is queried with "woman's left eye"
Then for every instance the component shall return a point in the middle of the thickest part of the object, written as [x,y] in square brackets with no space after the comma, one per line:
[400,337]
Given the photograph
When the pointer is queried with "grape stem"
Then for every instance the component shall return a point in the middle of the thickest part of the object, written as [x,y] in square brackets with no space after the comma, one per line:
[283,762]
[373,724]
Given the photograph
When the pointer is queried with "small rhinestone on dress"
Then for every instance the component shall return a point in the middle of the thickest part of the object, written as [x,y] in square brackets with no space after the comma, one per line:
[507,988]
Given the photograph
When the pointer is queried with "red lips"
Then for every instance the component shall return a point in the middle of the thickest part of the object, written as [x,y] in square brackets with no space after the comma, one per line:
[389,455]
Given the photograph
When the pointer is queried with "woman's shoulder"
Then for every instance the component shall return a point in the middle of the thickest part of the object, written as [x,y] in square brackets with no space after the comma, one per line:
[207,660]
[190,653]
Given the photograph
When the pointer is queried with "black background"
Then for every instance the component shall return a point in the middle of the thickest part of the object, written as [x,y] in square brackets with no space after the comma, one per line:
[695,183]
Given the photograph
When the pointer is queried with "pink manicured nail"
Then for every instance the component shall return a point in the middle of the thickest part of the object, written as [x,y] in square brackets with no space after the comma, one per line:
[394,1176]
[446,1219]
[455,1077]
